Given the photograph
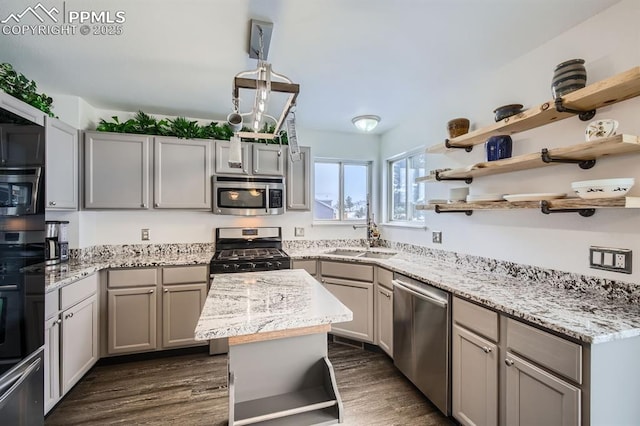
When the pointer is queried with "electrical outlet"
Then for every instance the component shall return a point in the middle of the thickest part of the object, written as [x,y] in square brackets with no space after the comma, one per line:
[610,259]
[145,234]
[436,237]
[299,232]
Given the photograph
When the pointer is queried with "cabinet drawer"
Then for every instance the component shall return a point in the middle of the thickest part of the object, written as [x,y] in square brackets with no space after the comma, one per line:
[347,270]
[78,291]
[51,301]
[476,318]
[385,278]
[311,266]
[557,354]
[138,277]
[185,274]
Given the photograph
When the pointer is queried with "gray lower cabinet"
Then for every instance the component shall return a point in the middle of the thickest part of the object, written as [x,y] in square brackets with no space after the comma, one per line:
[474,364]
[184,291]
[298,181]
[352,284]
[536,397]
[62,165]
[141,321]
[79,348]
[116,170]
[384,310]
[311,266]
[474,378]
[51,362]
[131,320]
[71,337]
[182,172]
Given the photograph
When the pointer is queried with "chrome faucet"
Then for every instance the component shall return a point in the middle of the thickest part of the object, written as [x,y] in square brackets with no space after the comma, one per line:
[369,223]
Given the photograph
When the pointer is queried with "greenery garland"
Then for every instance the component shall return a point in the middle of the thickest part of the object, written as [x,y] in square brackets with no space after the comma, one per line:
[180,127]
[20,87]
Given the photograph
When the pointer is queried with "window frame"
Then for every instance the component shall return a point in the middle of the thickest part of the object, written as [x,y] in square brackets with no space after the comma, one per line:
[341,213]
[407,156]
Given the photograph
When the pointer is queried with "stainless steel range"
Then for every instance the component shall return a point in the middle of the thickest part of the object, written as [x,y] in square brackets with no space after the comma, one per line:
[248,250]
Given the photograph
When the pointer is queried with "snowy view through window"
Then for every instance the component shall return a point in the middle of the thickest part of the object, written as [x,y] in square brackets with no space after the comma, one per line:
[335,202]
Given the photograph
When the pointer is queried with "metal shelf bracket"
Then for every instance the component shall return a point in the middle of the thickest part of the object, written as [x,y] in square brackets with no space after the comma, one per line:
[584,164]
[466,180]
[466,148]
[544,208]
[583,115]
[467,212]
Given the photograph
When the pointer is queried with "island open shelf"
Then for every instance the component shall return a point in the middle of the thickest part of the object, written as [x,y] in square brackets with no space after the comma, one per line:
[583,152]
[615,89]
[559,205]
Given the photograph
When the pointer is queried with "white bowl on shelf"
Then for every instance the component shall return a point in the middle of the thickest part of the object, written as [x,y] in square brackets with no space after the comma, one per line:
[603,188]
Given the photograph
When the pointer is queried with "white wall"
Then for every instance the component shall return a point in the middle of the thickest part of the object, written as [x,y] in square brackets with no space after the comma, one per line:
[610,44]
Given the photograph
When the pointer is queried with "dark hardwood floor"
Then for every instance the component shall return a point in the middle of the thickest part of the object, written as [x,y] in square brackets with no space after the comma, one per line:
[191,390]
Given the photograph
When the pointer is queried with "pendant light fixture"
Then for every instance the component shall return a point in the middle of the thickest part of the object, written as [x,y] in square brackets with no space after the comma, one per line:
[366,123]
[264,81]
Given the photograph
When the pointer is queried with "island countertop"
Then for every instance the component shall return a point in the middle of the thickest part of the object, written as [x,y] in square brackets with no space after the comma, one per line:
[256,302]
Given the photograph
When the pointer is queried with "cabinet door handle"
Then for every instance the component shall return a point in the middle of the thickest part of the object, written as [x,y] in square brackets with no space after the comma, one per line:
[255,170]
[69,315]
[387,295]
[52,203]
[58,321]
[150,291]
[486,349]
[143,205]
[509,362]
[156,205]
[323,280]
[166,290]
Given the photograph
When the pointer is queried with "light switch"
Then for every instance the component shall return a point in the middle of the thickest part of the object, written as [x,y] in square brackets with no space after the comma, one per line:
[596,258]
[607,259]
[299,232]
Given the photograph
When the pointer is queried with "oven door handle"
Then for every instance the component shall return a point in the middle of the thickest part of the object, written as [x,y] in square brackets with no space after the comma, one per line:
[15,382]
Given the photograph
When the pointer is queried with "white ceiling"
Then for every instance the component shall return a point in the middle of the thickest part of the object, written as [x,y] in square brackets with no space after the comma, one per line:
[350,57]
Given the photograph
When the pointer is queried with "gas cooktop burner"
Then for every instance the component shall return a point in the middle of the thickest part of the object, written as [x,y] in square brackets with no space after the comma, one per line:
[249,254]
[248,250]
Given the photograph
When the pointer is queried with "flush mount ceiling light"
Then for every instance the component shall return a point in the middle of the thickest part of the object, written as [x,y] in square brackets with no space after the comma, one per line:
[263,80]
[366,123]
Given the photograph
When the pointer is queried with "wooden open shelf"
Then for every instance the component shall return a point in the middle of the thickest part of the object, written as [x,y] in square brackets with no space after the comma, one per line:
[605,92]
[562,203]
[615,145]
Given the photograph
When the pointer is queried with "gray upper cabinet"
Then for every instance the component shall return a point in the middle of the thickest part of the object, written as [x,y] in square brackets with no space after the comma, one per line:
[62,165]
[182,173]
[222,159]
[117,171]
[21,109]
[257,159]
[21,144]
[298,181]
[268,159]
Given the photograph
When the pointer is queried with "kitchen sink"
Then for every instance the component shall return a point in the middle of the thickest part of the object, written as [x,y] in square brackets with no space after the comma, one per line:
[377,255]
[350,253]
[353,253]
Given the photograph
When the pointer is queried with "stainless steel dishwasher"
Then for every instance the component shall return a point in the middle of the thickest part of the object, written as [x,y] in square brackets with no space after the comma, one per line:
[421,329]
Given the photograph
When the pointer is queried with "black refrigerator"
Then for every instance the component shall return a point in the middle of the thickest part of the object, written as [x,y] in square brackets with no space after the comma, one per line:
[22,275]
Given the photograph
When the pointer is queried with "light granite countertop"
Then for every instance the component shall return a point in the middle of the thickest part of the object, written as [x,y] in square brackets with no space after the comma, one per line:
[586,314]
[582,308]
[66,273]
[256,302]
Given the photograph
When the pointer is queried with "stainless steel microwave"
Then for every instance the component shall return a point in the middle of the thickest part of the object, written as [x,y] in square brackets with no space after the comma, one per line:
[21,190]
[248,195]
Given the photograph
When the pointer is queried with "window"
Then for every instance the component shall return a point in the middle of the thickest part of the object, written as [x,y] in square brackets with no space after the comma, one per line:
[341,189]
[404,192]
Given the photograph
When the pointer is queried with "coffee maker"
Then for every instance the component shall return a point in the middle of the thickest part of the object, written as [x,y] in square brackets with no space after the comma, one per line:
[56,242]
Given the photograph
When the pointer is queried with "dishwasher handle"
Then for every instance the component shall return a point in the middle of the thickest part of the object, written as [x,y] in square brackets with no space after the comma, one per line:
[415,291]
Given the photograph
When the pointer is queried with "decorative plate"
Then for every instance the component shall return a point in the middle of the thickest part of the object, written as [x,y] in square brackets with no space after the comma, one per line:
[600,129]
[534,197]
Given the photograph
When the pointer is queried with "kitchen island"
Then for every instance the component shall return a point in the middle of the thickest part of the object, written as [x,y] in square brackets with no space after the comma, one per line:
[277,324]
